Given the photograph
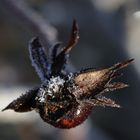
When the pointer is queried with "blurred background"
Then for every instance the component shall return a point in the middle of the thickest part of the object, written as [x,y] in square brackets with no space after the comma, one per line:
[109,33]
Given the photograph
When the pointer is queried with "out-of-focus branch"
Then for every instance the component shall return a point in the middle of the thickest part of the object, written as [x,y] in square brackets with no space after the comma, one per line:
[32,20]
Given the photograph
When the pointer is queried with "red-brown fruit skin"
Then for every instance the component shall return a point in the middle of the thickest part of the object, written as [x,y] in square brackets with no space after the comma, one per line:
[71,118]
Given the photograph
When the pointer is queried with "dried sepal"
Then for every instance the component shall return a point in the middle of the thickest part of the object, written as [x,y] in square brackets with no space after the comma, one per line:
[24,103]
[73,38]
[114,86]
[38,58]
[60,61]
[98,81]
[103,101]
[121,65]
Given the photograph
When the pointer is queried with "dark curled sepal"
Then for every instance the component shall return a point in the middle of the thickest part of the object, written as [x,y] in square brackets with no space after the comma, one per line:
[24,103]
[60,60]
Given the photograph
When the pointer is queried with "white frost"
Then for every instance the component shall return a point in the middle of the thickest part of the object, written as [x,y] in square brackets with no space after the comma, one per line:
[55,83]
[53,86]
[41,97]
[78,112]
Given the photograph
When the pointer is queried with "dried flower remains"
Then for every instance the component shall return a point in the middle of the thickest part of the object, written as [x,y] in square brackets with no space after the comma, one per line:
[66,99]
